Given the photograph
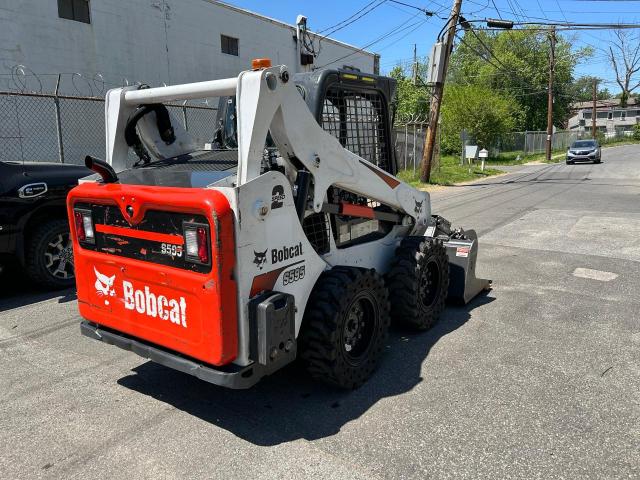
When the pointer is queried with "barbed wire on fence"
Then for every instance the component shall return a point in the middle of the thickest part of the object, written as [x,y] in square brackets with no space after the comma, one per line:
[411,119]
[410,131]
[36,126]
[20,78]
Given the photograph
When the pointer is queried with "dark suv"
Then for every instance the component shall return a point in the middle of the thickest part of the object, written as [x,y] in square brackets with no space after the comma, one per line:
[34,230]
[584,151]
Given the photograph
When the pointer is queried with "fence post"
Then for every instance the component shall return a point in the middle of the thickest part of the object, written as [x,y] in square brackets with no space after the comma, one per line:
[56,102]
[414,148]
[406,142]
[184,115]
[440,135]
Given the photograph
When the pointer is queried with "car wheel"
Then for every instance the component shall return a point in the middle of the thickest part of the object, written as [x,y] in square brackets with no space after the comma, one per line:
[49,255]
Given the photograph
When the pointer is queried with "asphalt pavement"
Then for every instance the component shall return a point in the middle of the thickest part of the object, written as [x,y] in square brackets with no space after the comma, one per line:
[539,378]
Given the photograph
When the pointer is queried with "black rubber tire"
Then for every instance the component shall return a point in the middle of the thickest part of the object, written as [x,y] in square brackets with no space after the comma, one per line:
[415,259]
[323,350]
[569,163]
[35,250]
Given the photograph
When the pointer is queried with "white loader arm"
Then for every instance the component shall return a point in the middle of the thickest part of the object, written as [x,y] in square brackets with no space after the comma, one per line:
[267,100]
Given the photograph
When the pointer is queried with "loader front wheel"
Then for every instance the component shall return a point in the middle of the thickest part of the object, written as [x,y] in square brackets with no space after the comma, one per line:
[345,326]
[418,282]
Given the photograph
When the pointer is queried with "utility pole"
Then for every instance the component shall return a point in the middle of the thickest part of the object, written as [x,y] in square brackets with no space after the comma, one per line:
[436,97]
[415,65]
[595,108]
[552,68]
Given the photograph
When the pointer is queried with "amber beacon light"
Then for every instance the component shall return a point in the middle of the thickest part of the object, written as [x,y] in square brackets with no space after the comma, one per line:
[260,63]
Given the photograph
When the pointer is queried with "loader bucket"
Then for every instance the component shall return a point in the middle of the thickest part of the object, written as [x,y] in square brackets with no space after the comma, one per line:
[462,253]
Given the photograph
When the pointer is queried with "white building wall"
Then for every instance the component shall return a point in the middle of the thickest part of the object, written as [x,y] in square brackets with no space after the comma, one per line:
[148,41]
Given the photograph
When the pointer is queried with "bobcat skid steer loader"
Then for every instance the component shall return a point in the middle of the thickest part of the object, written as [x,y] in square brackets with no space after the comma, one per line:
[287,237]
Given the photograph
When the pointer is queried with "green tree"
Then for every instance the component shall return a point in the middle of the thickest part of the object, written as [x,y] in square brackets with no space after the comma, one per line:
[582,90]
[483,112]
[411,99]
[517,62]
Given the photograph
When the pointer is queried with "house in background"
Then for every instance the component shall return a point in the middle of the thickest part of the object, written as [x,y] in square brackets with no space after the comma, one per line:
[611,119]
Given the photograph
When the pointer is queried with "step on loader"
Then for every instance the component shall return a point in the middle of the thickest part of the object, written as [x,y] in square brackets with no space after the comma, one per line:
[284,236]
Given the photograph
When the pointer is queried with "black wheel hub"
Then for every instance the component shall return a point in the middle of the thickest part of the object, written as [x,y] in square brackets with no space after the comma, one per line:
[359,327]
[429,284]
[58,256]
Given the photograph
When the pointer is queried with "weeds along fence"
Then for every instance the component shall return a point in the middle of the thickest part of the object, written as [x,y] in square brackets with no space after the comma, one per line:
[46,127]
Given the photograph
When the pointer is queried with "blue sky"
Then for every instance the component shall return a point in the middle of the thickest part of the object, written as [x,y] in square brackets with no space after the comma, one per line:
[407,26]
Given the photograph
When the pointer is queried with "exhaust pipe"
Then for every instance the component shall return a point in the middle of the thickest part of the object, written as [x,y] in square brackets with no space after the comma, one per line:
[102,168]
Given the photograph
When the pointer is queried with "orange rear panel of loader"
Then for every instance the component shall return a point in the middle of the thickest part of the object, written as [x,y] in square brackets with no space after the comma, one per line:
[135,279]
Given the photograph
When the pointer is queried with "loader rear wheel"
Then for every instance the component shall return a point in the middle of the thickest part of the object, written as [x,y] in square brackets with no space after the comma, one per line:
[418,282]
[345,326]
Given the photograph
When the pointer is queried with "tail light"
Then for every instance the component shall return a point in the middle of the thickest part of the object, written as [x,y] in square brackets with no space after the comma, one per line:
[84,226]
[196,239]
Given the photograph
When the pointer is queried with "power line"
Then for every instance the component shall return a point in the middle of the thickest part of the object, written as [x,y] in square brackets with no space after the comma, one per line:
[496,8]
[522,11]
[483,7]
[351,18]
[368,8]
[561,11]
[418,25]
[508,71]
[423,10]
[308,41]
[541,10]
[397,29]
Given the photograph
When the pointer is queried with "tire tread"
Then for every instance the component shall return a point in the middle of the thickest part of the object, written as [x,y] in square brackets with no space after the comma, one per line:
[321,329]
[410,258]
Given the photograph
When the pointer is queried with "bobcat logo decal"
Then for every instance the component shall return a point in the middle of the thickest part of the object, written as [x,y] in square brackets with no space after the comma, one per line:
[260,258]
[104,285]
[418,208]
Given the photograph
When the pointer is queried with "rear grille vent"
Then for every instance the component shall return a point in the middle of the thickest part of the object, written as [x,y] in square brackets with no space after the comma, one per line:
[316,228]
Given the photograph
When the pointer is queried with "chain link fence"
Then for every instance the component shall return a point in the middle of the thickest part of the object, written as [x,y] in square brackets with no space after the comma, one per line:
[43,127]
[527,143]
[410,134]
[530,142]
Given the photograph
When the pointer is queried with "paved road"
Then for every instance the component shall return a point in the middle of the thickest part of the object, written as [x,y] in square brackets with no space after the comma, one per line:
[538,379]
